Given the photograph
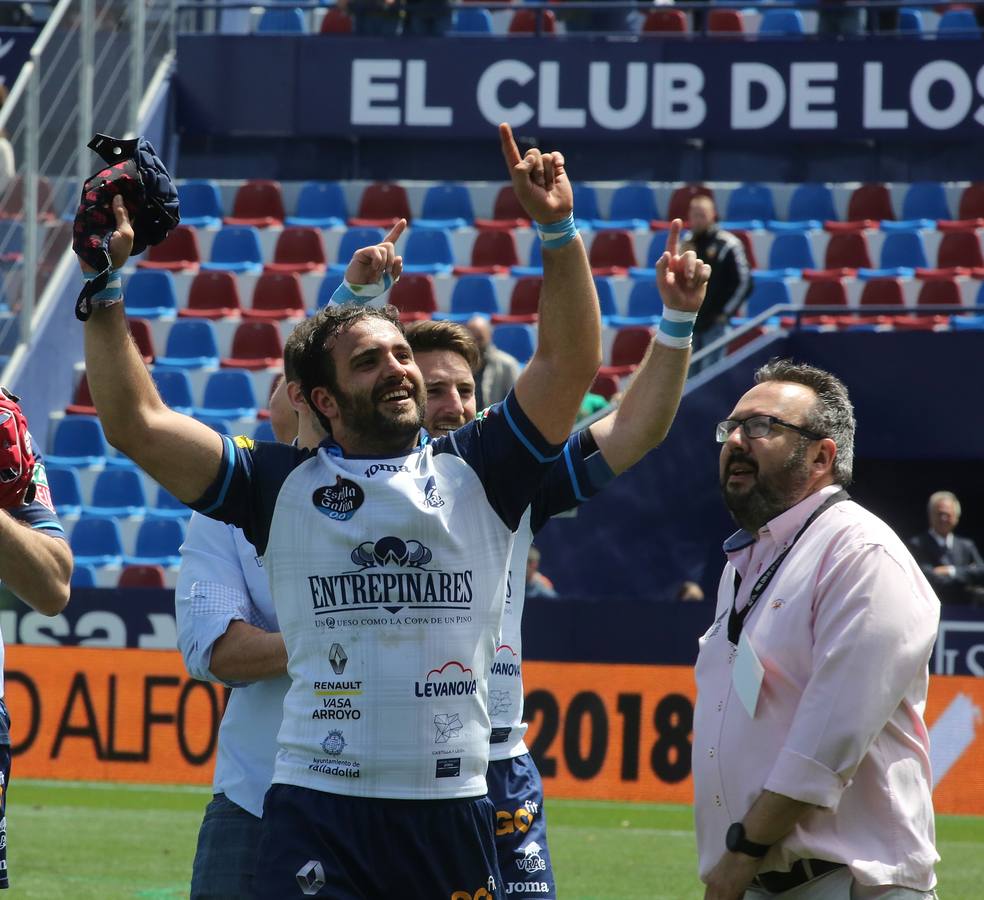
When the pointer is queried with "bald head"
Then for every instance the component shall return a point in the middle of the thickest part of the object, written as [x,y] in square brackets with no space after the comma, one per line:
[481,330]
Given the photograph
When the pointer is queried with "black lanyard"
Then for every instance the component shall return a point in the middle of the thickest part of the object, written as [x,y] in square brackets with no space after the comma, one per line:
[736,620]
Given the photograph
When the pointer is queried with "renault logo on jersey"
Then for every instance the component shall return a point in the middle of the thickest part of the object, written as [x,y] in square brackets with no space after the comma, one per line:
[340,500]
[311,877]
[337,658]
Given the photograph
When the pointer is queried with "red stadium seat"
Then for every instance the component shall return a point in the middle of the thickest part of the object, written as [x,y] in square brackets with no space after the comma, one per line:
[848,251]
[507,212]
[972,202]
[920,323]
[176,253]
[606,385]
[725,21]
[277,295]
[746,242]
[255,345]
[939,292]
[948,225]
[212,295]
[298,250]
[612,253]
[744,339]
[381,206]
[825,293]
[336,22]
[679,206]
[143,337]
[628,349]
[81,404]
[664,20]
[960,249]
[524,21]
[493,251]
[882,292]
[525,298]
[415,294]
[870,201]
[142,577]
[258,203]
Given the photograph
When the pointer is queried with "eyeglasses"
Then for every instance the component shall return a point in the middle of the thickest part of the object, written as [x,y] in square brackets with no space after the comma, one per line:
[759,427]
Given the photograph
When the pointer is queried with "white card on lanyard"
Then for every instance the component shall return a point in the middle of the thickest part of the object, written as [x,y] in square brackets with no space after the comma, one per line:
[747,675]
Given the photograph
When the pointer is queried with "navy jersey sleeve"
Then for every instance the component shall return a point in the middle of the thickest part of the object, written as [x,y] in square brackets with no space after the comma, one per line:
[507,452]
[579,474]
[40,513]
[245,491]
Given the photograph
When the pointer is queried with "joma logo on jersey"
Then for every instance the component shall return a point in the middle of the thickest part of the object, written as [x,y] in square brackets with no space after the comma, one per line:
[451,680]
[375,468]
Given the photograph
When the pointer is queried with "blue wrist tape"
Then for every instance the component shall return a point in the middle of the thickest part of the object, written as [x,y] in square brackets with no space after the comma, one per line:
[676,328]
[112,293]
[557,234]
[361,293]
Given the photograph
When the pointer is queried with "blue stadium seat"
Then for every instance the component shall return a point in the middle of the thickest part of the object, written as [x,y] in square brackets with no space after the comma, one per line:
[967,323]
[517,340]
[281,21]
[645,306]
[228,395]
[320,204]
[812,202]
[264,431]
[117,493]
[750,204]
[327,287]
[158,543]
[150,294]
[791,250]
[174,386]
[925,200]
[535,266]
[446,206]
[585,204]
[765,295]
[958,23]
[777,22]
[201,204]
[911,21]
[97,542]
[352,240]
[11,240]
[467,20]
[633,206]
[903,249]
[191,344]
[428,251]
[606,296]
[167,506]
[656,248]
[78,441]
[66,490]
[236,248]
[83,576]
[473,294]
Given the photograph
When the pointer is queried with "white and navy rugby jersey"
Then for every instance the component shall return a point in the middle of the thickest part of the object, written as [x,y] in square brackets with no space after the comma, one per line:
[39,514]
[389,579]
[577,476]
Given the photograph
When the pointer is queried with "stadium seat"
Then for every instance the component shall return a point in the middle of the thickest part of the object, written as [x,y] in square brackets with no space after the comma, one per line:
[148,576]
[911,21]
[150,294]
[679,205]
[765,295]
[606,296]
[882,292]
[381,205]
[143,338]
[81,404]
[78,441]
[96,542]
[277,295]
[178,252]
[212,295]
[586,202]
[167,506]
[428,251]
[507,212]
[939,292]
[259,204]
[967,323]
[634,205]
[925,200]
[665,20]
[525,297]
[535,263]
[972,202]
[264,431]
[870,201]
[174,386]
[336,21]
[812,202]
[320,204]
[66,490]
[612,252]
[414,294]
[11,241]
[958,23]
[158,543]
[83,576]
[299,249]
[493,251]
[355,239]
[791,250]
[628,349]
[468,20]
[960,249]
[191,344]
[328,285]
[751,203]
[644,300]
[825,293]
[117,493]
[533,21]
[518,341]
[446,206]
[281,21]
[749,247]
[473,294]
[781,22]
[903,249]
[848,250]
[255,345]
[236,248]
[201,205]
[605,385]
[229,395]
[725,21]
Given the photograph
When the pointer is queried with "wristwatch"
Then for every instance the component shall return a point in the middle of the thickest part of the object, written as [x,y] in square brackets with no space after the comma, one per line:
[736,842]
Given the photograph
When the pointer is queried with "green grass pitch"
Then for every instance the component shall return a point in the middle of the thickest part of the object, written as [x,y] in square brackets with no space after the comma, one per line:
[105,842]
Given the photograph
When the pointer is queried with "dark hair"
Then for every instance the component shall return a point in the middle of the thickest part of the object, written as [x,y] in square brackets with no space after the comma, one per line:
[310,356]
[433,335]
[832,414]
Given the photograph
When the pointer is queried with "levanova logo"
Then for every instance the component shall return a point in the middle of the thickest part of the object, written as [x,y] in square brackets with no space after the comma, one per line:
[450,680]
[339,500]
[506,661]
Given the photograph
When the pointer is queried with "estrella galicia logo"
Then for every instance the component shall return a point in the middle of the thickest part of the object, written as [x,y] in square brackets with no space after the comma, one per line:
[431,497]
[334,743]
[339,500]
[391,551]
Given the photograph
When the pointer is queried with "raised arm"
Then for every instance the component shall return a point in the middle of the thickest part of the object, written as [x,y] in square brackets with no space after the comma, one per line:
[36,566]
[568,353]
[645,413]
[177,451]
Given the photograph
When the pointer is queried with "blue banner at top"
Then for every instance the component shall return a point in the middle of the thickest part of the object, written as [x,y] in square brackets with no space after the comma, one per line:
[635,89]
[15,47]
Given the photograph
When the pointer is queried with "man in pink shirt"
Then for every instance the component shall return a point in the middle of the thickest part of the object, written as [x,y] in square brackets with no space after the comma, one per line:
[810,756]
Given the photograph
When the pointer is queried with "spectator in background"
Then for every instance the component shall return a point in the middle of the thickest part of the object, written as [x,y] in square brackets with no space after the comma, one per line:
[537,584]
[731,279]
[837,19]
[426,18]
[952,564]
[497,370]
[373,18]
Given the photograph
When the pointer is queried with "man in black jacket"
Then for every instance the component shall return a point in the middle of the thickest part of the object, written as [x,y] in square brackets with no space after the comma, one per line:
[952,564]
[731,278]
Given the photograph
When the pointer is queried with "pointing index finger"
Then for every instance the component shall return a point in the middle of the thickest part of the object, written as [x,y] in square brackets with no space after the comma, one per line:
[509,149]
[395,232]
[673,238]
